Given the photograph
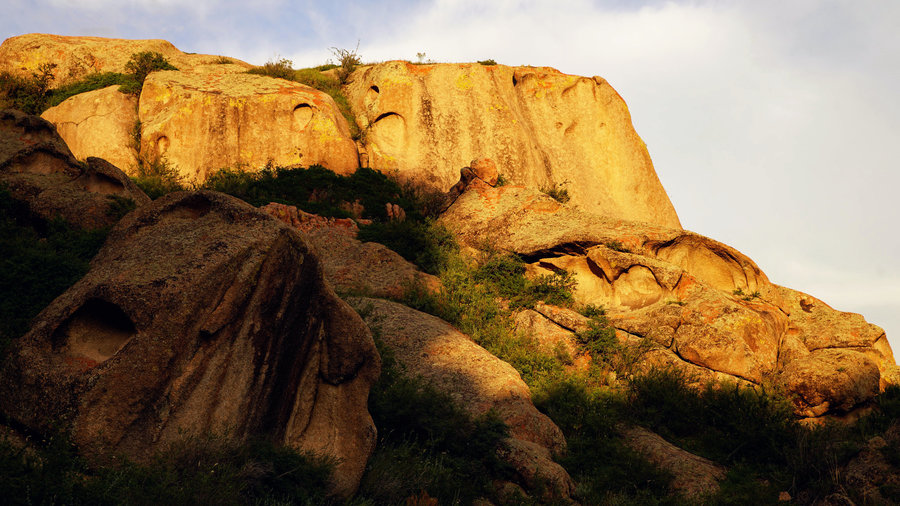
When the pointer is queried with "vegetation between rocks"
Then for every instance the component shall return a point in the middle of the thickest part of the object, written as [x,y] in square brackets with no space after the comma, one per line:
[39,260]
[315,77]
[33,94]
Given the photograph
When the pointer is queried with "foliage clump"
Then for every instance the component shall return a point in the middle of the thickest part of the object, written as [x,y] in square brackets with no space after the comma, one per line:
[140,65]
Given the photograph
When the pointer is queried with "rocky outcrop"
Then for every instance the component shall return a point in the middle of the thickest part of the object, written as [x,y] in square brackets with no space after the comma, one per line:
[199,314]
[38,168]
[98,123]
[692,476]
[210,118]
[433,350]
[543,128]
[76,57]
[706,307]
[350,265]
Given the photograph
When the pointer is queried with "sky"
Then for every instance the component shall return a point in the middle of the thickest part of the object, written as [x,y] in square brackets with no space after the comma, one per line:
[773,125]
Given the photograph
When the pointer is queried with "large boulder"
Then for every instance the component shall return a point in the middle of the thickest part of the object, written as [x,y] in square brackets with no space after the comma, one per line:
[77,57]
[38,168]
[199,314]
[706,307]
[543,128]
[99,123]
[210,118]
[431,349]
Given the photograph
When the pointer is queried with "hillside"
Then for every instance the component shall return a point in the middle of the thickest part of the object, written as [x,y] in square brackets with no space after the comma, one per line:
[441,283]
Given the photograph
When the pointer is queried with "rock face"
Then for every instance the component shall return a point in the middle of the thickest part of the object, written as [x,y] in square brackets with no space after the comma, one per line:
[541,127]
[704,305]
[199,314]
[693,476]
[98,123]
[38,168]
[76,57]
[210,118]
[432,349]
[352,266]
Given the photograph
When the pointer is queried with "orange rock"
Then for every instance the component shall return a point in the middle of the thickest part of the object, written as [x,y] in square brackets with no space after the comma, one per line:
[210,118]
[540,127]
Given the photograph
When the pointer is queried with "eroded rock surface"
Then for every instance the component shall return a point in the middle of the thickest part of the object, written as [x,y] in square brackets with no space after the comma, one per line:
[350,265]
[98,123]
[210,118]
[38,168]
[76,57]
[543,128]
[200,314]
[450,361]
[693,476]
[707,308]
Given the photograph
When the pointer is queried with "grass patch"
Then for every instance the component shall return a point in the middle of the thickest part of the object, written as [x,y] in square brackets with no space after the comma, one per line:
[428,446]
[91,82]
[207,469]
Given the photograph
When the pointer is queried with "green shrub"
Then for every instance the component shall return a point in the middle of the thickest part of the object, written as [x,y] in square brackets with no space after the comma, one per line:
[424,243]
[487,62]
[282,69]
[157,177]
[727,422]
[607,472]
[27,94]
[616,246]
[347,60]
[317,190]
[558,192]
[92,82]
[140,65]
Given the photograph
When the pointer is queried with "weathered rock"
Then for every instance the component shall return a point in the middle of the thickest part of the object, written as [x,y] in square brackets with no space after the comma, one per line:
[208,118]
[831,379]
[541,127]
[352,266]
[693,476]
[199,314]
[98,123]
[38,168]
[432,349]
[709,309]
[76,57]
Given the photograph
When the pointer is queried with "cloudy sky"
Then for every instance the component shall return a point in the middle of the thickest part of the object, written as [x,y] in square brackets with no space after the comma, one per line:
[773,125]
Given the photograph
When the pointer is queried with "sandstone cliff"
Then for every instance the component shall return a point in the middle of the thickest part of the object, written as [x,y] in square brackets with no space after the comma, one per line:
[76,57]
[543,128]
[210,118]
[704,305]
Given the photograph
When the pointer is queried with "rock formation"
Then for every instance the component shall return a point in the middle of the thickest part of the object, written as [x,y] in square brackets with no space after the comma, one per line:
[98,123]
[352,266]
[77,57]
[703,304]
[541,127]
[199,314]
[429,348]
[38,168]
[210,118]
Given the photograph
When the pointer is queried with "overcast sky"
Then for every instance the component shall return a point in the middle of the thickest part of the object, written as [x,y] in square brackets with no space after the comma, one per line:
[773,125]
